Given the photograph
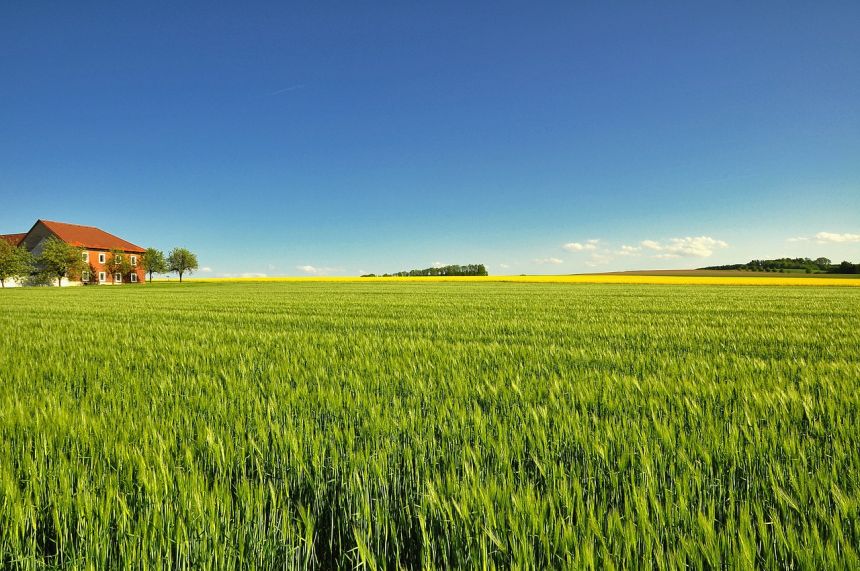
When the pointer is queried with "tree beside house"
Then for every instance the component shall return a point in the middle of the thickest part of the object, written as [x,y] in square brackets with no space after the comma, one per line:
[153,262]
[118,264]
[181,261]
[16,262]
[62,260]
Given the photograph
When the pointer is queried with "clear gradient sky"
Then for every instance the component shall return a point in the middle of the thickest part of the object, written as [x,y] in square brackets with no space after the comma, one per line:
[343,138]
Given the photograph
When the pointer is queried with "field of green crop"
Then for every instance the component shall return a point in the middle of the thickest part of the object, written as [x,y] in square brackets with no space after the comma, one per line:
[447,425]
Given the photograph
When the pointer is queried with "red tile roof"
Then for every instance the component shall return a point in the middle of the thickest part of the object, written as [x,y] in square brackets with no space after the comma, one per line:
[89,237]
[13,239]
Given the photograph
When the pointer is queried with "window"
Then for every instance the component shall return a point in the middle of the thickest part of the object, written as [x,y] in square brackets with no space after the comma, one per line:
[101,258]
[85,276]
[133,260]
[102,277]
[117,277]
[134,278]
[85,256]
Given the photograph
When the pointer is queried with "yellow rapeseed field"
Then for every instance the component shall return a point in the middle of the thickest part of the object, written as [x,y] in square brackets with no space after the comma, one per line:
[574,279]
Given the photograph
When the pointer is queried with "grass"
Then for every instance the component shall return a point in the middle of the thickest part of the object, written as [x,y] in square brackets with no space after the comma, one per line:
[447,425]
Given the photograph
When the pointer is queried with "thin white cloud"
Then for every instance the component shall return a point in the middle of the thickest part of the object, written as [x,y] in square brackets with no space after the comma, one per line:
[504,266]
[206,269]
[588,246]
[288,89]
[629,250]
[799,239]
[834,238]
[695,247]
[599,259]
[554,261]
[316,271]
[438,264]
[604,252]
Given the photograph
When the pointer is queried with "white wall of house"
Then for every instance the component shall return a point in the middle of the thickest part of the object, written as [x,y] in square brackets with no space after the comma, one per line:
[65,282]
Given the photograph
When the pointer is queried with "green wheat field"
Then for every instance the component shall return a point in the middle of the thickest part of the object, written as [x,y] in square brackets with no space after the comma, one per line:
[429,425]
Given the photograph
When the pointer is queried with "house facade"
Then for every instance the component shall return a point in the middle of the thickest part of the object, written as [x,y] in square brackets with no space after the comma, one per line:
[96,245]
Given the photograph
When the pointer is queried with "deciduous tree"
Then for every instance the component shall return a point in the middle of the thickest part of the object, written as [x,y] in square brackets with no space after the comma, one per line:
[153,262]
[181,261]
[61,260]
[15,262]
[117,262]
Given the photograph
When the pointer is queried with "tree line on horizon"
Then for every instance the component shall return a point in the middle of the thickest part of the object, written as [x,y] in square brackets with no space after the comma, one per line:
[60,260]
[810,266]
[450,270]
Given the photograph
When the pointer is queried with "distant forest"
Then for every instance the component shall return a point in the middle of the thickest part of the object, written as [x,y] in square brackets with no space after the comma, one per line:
[816,266]
[453,270]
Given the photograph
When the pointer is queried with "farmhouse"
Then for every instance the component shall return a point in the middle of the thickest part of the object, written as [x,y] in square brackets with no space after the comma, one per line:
[96,245]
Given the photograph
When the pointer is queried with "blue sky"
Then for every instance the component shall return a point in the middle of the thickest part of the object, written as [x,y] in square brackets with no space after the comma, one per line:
[339,138]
